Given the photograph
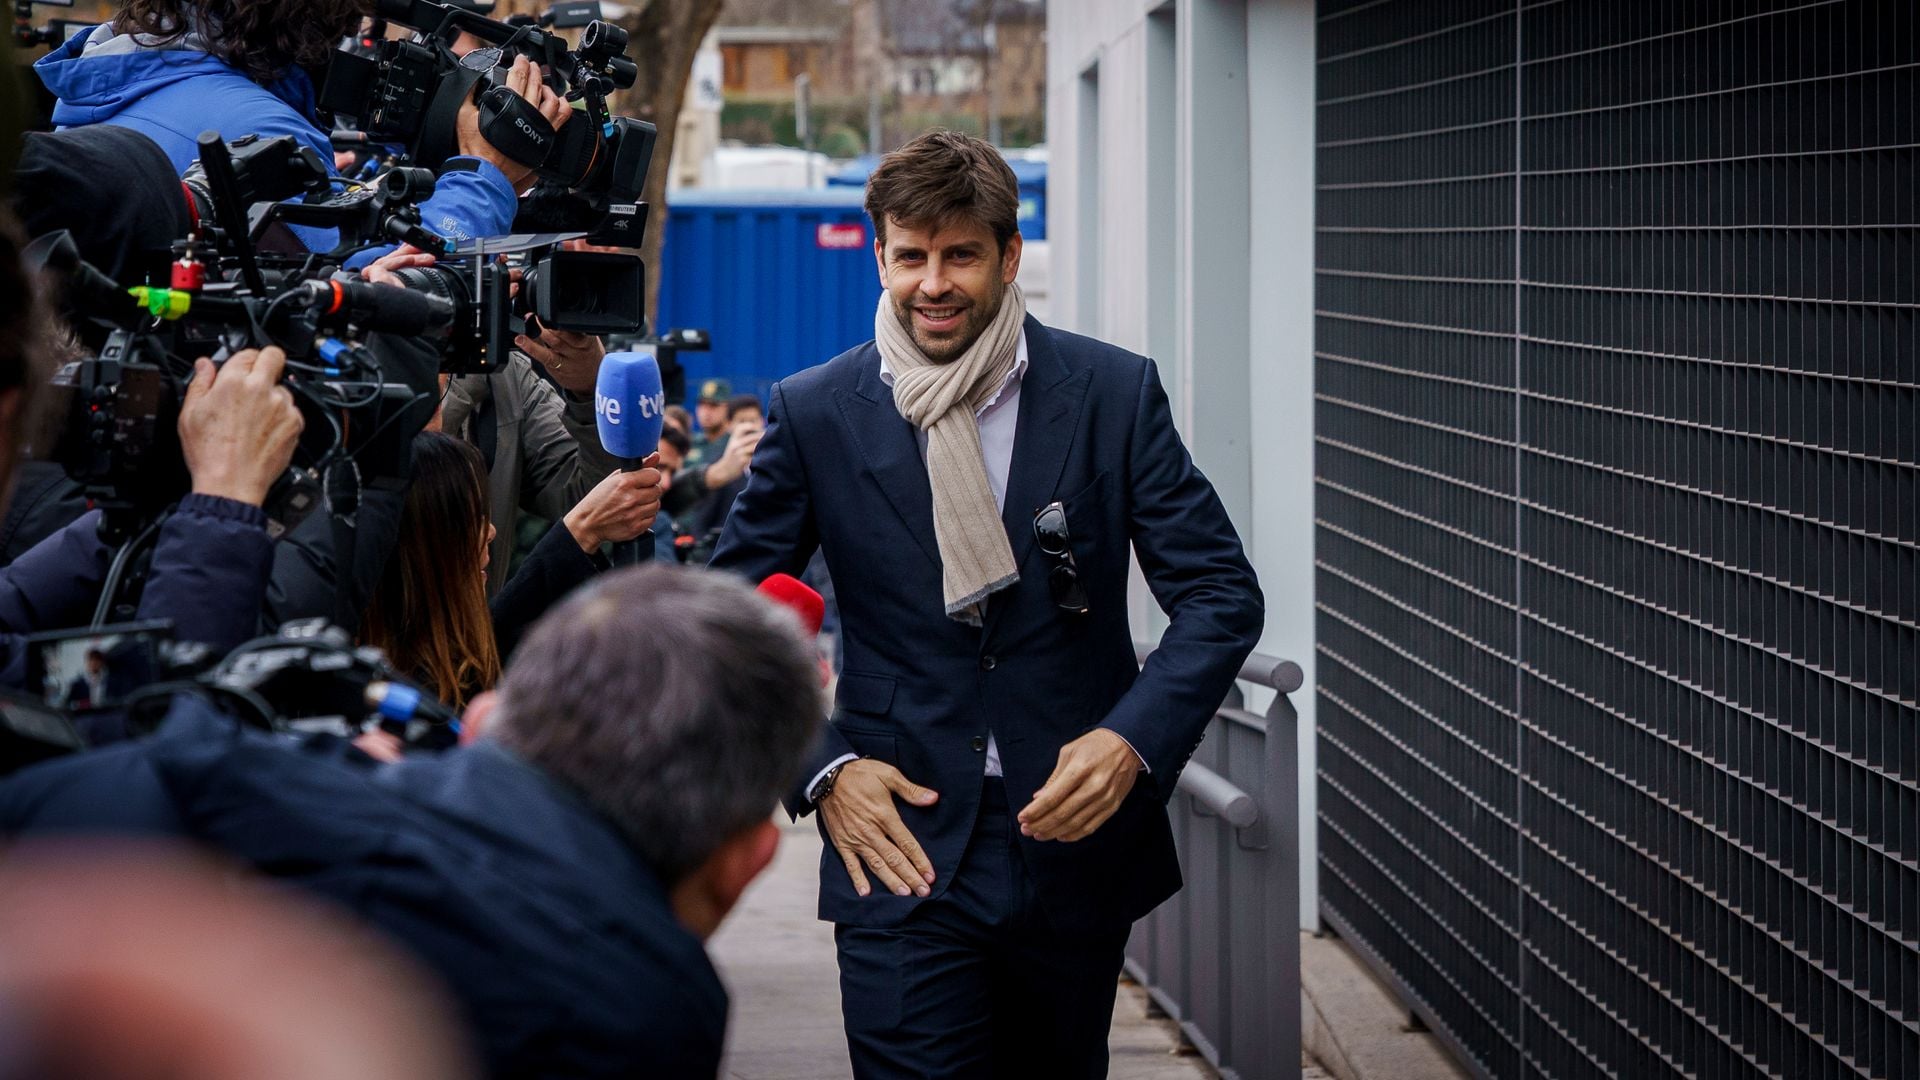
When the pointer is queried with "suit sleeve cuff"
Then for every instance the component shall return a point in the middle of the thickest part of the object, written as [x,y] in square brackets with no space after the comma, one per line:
[1144,767]
[821,775]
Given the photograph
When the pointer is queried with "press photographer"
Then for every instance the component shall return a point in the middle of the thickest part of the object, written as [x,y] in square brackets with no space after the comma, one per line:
[171,69]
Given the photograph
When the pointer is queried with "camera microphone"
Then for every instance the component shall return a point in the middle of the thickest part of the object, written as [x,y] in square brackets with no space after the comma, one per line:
[407,312]
[629,406]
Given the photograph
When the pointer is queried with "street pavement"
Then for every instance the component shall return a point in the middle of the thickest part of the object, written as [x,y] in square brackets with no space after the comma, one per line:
[777,961]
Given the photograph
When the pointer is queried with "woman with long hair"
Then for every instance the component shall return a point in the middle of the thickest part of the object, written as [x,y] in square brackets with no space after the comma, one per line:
[430,612]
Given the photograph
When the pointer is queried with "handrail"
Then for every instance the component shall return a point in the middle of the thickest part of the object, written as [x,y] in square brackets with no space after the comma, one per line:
[1261,669]
[1220,795]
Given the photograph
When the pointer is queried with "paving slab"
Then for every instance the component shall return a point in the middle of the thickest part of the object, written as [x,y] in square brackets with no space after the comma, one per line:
[1355,1028]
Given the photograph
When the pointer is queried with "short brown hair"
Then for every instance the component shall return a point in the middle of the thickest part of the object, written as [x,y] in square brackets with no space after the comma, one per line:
[942,177]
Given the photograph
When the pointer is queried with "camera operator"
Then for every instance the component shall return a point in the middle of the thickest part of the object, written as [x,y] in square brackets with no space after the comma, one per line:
[561,871]
[541,445]
[171,69]
[238,428]
[117,195]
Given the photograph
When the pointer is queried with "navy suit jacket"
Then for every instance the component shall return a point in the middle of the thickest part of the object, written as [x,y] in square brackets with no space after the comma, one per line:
[840,470]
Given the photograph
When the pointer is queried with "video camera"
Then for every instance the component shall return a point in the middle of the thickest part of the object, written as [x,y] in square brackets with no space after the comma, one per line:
[588,292]
[592,169]
[224,295]
[118,681]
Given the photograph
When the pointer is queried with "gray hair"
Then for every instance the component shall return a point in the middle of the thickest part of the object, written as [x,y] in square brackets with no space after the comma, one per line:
[677,702]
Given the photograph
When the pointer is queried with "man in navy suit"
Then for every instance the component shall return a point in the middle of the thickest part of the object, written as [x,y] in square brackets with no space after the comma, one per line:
[998,764]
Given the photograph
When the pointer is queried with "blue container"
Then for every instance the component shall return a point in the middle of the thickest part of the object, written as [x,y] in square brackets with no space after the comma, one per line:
[783,280]
[1031,175]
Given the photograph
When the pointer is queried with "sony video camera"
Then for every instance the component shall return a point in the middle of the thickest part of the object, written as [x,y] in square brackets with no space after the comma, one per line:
[593,168]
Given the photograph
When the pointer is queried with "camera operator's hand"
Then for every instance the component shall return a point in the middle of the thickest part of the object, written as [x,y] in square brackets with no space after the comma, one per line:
[572,359]
[527,79]
[618,508]
[381,270]
[733,464]
[238,425]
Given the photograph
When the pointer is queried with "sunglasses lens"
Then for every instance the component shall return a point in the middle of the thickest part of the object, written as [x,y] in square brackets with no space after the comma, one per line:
[1064,584]
[1050,529]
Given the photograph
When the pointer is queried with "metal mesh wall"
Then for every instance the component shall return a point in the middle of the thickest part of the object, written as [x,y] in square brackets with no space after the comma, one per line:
[1618,499]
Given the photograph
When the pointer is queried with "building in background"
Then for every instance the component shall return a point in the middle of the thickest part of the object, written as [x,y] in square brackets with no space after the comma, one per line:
[972,65]
[1558,361]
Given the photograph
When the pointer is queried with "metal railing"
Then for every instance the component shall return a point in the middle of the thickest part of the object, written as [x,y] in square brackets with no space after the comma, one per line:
[1222,958]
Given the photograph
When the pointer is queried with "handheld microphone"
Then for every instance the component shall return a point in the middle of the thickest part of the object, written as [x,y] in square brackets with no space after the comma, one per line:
[797,596]
[629,406]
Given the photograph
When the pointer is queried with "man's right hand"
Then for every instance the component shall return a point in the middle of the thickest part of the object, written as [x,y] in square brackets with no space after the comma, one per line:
[733,464]
[238,425]
[527,79]
[867,831]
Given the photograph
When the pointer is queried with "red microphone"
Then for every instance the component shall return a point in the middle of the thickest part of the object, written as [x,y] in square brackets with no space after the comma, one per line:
[795,595]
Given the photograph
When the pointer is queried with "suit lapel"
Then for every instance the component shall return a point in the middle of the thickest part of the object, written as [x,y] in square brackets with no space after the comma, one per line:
[1051,396]
[891,451]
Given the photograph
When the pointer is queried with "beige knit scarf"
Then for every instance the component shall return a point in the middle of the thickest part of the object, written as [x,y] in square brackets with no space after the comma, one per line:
[943,400]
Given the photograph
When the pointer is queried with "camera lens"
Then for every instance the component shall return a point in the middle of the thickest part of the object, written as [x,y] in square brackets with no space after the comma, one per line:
[603,39]
[442,282]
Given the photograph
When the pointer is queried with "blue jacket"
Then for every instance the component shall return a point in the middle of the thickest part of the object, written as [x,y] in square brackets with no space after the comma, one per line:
[172,95]
[556,939]
[839,469]
[209,574]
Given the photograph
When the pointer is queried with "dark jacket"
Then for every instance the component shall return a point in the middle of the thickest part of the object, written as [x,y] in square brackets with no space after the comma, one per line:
[557,941]
[209,572]
[838,468]
[555,567]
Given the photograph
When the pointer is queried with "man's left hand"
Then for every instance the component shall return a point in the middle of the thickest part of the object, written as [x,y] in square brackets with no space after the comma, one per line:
[1091,780]
[572,359]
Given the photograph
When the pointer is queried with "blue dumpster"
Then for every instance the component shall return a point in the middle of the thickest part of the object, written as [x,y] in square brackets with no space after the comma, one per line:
[1031,175]
[783,280]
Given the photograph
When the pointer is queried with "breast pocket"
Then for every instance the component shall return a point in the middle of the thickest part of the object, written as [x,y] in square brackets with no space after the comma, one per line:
[1088,515]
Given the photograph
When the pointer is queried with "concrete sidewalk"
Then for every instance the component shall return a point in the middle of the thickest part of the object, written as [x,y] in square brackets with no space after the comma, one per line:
[777,960]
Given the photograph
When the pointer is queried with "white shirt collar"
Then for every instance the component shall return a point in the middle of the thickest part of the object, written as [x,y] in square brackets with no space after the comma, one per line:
[1014,376]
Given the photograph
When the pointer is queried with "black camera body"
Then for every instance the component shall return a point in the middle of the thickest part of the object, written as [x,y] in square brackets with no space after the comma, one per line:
[121,441]
[587,292]
[593,168]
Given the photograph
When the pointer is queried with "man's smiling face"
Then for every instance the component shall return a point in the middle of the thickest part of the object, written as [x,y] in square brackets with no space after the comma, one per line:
[946,281]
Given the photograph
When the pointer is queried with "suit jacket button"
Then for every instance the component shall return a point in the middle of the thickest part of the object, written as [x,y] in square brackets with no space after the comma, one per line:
[987,662]
[979,744]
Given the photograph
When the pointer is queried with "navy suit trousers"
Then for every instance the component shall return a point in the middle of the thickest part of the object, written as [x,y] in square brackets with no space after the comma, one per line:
[978,982]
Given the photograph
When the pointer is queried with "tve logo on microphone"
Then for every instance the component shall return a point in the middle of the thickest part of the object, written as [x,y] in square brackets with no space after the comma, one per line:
[629,404]
[649,408]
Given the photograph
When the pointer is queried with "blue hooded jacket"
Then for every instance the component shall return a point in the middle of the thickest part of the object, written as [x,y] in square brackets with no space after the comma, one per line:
[172,94]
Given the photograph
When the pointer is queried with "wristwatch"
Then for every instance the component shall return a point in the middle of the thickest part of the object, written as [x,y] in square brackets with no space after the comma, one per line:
[825,787]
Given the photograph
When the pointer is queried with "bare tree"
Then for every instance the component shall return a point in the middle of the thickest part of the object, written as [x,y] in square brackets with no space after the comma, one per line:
[662,38]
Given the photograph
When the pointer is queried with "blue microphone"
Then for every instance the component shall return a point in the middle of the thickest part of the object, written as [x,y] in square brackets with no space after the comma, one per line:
[629,406]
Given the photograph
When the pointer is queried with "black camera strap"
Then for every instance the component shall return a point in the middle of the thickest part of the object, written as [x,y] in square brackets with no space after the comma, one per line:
[515,127]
